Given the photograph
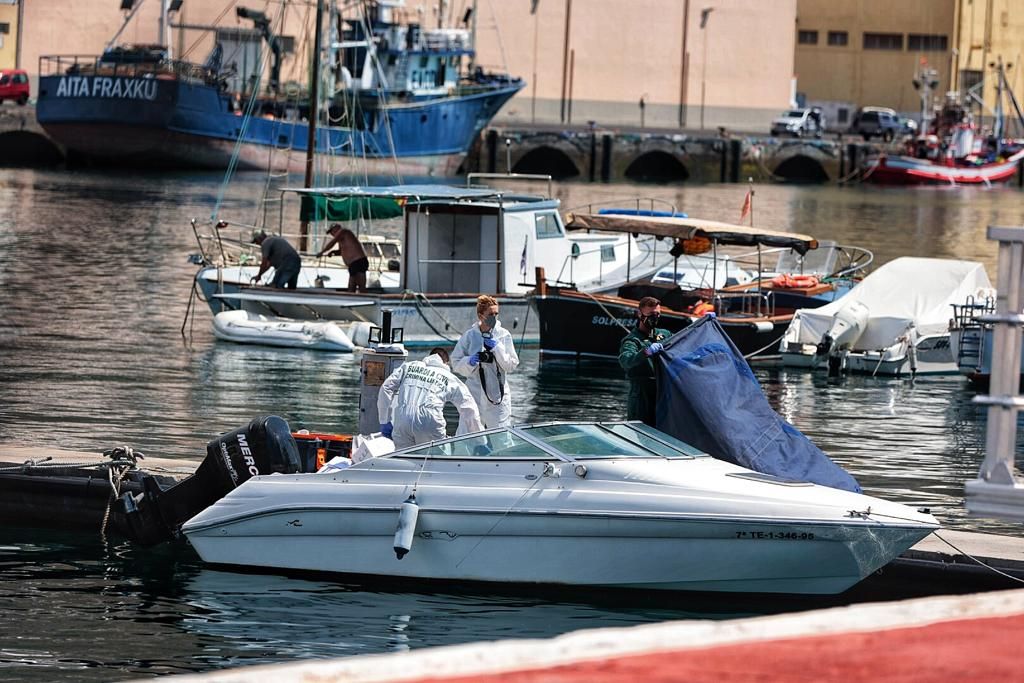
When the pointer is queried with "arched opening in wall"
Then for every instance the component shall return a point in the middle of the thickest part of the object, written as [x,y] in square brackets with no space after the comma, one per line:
[657,167]
[22,148]
[801,169]
[547,161]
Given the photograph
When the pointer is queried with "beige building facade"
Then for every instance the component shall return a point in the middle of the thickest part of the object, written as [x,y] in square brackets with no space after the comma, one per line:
[583,60]
[9,23]
[868,52]
[596,60]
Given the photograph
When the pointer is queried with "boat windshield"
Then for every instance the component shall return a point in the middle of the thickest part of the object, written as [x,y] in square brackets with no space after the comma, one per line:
[502,444]
[607,441]
[659,442]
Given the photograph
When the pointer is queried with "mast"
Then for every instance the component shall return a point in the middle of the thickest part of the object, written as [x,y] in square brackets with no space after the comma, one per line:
[314,115]
[165,27]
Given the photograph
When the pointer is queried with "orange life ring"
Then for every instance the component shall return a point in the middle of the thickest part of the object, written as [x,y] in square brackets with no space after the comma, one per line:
[786,281]
[702,308]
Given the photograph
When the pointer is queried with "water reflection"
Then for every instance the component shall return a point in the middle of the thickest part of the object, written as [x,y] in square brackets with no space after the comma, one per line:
[95,274]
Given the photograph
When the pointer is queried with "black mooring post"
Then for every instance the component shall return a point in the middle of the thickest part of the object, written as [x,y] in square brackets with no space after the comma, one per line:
[492,150]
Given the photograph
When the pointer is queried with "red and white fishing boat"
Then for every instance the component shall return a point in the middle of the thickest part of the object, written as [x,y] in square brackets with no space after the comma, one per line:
[903,170]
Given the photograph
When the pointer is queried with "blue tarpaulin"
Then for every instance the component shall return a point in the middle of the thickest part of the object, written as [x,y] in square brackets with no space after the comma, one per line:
[709,398]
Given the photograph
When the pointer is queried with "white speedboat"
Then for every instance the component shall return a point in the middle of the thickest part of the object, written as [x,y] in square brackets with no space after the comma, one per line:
[246,327]
[894,322]
[582,504]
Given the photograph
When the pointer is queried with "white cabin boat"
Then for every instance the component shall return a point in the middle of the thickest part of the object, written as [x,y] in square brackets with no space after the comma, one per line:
[457,243]
[894,322]
[581,504]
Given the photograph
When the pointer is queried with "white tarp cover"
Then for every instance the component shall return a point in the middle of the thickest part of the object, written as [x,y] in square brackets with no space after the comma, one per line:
[905,291]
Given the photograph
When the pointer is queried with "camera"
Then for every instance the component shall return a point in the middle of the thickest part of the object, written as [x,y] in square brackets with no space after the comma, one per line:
[486,355]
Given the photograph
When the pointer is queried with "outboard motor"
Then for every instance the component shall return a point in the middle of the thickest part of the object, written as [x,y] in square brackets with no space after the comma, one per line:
[264,446]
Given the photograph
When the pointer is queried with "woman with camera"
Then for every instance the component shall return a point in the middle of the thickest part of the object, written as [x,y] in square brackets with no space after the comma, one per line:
[485,355]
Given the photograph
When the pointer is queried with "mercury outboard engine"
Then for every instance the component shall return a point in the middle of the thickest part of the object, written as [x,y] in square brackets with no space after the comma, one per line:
[264,446]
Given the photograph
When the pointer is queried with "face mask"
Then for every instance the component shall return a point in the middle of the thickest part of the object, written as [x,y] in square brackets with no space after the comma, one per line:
[490,321]
[650,321]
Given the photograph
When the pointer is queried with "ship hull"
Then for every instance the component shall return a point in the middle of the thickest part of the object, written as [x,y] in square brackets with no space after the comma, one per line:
[171,122]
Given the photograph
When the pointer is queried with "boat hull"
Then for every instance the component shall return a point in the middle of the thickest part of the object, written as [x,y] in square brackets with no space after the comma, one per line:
[574,324]
[899,170]
[474,544]
[933,357]
[425,320]
[170,122]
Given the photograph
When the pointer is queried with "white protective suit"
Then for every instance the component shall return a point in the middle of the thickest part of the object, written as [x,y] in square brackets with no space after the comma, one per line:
[412,398]
[495,402]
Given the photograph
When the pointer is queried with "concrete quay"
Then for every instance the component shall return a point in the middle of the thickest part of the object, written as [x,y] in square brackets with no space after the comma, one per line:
[598,154]
[948,638]
[23,142]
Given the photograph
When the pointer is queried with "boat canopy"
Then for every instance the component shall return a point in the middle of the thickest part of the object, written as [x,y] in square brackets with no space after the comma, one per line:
[691,229]
[408,192]
[347,203]
[906,293]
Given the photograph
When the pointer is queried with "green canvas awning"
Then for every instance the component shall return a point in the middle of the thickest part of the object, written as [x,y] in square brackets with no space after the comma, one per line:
[321,208]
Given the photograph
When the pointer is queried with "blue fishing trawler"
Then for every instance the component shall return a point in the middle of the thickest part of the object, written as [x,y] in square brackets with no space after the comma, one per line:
[399,97]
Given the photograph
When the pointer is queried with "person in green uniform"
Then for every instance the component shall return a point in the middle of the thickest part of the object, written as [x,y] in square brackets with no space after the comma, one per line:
[635,354]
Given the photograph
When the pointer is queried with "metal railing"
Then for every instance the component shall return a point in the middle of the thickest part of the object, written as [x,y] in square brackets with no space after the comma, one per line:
[93,65]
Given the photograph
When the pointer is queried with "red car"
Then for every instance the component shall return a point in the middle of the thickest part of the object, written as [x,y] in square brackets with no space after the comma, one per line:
[14,85]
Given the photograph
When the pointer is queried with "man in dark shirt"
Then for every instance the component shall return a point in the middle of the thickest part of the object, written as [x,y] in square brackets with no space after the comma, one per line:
[635,353]
[280,256]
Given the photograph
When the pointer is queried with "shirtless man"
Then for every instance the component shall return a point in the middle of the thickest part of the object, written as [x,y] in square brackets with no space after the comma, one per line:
[351,252]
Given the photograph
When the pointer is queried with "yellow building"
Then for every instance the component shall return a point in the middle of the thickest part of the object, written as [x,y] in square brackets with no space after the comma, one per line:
[987,31]
[9,22]
[867,52]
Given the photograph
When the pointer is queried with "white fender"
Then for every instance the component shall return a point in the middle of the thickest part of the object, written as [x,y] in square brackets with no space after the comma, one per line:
[407,517]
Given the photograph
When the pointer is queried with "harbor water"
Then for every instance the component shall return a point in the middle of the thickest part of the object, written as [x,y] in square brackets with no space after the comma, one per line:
[95,280]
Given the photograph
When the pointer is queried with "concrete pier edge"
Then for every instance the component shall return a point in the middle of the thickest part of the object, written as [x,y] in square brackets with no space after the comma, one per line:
[507,656]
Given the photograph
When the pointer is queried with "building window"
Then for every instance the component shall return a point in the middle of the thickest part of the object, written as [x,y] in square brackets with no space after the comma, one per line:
[5,28]
[838,38]
[883,41]
[917,42]
[969,78]
[807,37]
[843,115]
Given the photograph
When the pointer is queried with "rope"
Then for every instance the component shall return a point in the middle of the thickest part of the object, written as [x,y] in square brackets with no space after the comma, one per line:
[416,300]
[766,346]
[974,559]
[115,492]
[498,521]
[610,314]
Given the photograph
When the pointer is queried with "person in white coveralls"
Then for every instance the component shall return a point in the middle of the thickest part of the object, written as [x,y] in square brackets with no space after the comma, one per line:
[410,405]
[485,356]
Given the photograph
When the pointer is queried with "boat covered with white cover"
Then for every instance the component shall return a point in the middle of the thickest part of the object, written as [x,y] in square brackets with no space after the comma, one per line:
[247,327]
[583,504]
[895,321]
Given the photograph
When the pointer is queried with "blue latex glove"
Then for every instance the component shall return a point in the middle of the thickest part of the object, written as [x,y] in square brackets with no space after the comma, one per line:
[474,359]
[489,343]
[656,347]
[387,429]
[482,449]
